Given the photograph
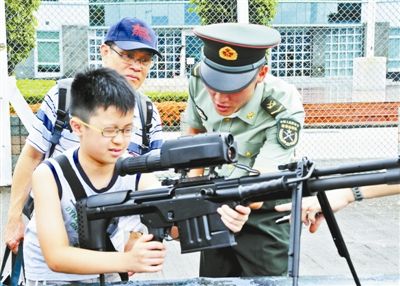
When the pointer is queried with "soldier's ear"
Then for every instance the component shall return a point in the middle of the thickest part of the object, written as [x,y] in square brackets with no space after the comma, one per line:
[262,73]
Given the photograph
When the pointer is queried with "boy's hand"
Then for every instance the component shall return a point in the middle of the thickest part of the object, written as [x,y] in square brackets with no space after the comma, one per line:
[234,219]
[146,255]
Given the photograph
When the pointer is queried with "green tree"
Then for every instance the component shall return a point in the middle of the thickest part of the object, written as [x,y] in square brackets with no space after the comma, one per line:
[222,11]
[20,30]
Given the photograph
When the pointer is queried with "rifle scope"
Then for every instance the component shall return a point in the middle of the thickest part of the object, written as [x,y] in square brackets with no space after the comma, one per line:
[186,152]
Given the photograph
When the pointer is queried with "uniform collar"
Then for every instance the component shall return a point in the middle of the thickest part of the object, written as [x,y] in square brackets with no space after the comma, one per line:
[248,113]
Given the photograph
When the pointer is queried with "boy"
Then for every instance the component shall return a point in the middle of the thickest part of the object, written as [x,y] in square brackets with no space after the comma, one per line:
[102,114]
[102,110]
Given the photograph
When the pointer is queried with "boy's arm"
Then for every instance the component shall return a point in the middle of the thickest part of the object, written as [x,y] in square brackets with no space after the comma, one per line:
[28,160]
[145,256]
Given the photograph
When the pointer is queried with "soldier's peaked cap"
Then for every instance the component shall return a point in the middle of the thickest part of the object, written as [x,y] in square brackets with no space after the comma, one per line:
[232,53]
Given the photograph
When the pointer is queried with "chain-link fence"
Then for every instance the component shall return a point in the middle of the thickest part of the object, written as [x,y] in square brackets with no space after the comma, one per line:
[343,56]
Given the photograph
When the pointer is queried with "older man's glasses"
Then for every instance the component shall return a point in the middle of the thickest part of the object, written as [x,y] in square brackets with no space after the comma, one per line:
[111,132]
[130,59]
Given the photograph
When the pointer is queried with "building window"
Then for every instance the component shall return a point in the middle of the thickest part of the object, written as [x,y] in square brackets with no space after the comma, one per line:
[394,50]
[293,55]
[193,52]
[96,38]
[342,45]
[159,20]
[169,45]
[48,58]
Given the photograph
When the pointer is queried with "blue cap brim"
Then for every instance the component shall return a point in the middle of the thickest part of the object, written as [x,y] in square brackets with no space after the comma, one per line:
[129,45]
[226,82]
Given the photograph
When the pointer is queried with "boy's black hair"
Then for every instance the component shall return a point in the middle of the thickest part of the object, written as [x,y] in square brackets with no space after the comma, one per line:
[102,87]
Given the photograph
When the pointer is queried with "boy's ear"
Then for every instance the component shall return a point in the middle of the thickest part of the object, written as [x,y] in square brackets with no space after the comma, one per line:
[76,125]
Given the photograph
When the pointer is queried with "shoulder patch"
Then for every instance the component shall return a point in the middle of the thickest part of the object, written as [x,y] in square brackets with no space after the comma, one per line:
[288,132]
[272,106]
[196,70]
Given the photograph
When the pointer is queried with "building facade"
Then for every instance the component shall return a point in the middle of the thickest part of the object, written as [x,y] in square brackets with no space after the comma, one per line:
[320,39]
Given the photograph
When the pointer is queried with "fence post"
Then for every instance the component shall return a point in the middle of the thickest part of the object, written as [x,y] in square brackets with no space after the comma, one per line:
[19,104]
[5,138]
[398,131]
[371,8]
[243,11]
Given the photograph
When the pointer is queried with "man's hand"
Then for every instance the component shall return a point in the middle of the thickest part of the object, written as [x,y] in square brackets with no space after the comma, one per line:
[311,214]
[27,162]
[14,233]
[234,219]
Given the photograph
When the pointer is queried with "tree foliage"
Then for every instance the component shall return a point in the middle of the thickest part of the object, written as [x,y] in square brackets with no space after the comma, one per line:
[222,11]
[20,30]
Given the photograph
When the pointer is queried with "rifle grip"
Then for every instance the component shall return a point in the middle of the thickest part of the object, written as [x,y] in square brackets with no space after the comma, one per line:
[158,233]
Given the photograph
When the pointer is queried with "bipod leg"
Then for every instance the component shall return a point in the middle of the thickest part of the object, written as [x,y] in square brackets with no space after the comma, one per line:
[335,233]
[102,280]
[295,228]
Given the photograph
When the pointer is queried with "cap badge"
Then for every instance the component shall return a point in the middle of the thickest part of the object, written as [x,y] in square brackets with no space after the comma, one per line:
[227,53]
[141,32]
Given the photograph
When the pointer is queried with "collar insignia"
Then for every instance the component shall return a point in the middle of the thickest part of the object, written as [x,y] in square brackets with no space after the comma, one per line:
[250,115]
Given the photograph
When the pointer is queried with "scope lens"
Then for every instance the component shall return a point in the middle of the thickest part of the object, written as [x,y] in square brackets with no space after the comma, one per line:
[231,153]
[229,139]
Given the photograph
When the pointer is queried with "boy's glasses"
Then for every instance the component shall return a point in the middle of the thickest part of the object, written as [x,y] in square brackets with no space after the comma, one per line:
[130,58]
[111,132]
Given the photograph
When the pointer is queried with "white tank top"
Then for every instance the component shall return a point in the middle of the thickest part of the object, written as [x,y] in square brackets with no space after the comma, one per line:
[35,264]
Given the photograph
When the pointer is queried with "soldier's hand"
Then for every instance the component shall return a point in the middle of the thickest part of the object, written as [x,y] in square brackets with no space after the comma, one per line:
[234,219]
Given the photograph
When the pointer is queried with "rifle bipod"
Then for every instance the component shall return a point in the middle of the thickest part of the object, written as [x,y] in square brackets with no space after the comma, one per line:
[302,174]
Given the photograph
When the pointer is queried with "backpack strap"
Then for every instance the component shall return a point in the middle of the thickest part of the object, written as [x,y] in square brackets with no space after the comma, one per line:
[146,113]
[17,265]
[149,116]
[6,254]
[70,175]
[79,193]
[62,119]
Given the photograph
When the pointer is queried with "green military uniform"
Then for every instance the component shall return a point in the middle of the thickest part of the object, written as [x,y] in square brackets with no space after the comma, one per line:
[266,129]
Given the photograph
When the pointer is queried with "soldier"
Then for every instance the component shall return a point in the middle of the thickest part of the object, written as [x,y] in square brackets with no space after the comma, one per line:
[231,91]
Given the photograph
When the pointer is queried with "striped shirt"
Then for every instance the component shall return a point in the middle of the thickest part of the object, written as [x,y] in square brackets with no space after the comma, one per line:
[45,119]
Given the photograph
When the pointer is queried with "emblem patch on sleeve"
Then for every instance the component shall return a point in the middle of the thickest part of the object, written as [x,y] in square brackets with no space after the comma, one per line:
[272,106]
[288,132]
